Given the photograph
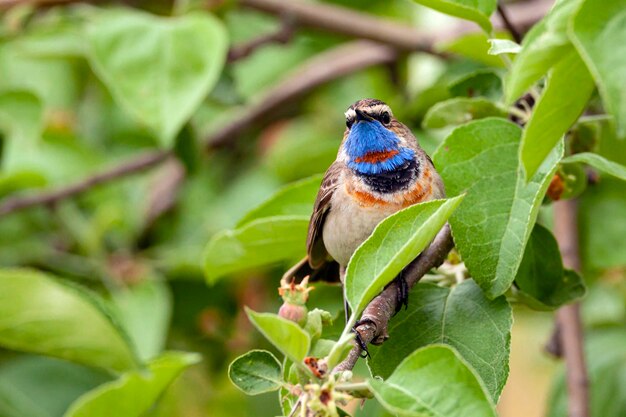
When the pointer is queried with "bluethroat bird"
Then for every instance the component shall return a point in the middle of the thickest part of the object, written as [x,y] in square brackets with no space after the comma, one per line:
[380,169]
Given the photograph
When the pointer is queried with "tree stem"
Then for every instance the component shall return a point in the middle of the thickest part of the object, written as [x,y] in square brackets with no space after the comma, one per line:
[568,317]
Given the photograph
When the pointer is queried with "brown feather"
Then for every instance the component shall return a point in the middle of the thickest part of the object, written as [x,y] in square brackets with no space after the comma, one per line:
[314,244]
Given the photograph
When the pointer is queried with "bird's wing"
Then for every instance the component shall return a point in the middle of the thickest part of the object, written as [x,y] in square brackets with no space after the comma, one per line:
[314,244]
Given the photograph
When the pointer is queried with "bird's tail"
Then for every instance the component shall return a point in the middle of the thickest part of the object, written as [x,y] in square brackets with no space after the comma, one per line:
[328,271]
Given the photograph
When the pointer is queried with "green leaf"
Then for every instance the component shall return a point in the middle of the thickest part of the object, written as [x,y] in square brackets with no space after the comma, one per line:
[474,46]
[285,335]
[486,83]
[256,372]
[261,242]
[434,381]
[39,386]
[293,199]
[541,279]
[134,392]
[145,310]
[598,162]
[42,315]
[602,243]
[395,242]
[475,10]
[460,110]
[552,115]
[503,46]
[545,44]
[598,31]
[494,221]
[484,342]
[159,69]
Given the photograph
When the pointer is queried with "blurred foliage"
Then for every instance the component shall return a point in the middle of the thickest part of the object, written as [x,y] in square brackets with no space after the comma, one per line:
[112,281]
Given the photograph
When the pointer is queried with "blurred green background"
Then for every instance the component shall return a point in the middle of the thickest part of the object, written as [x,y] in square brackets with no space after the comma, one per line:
[68,112]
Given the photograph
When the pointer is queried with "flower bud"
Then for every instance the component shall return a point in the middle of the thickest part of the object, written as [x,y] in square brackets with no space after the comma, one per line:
[293,312]
[294,297]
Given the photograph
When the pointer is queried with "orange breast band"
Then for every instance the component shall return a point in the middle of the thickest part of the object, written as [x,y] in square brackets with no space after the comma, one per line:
[375,157]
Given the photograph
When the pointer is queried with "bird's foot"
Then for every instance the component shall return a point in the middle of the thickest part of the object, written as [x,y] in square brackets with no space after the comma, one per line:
[402,295]
[359,340]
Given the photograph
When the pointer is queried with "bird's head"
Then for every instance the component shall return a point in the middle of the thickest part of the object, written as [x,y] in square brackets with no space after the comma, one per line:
[374,140]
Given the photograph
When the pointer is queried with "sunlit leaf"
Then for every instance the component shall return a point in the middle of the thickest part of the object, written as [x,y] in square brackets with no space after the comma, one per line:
[474,46]
[293,199]
[543,46]
[553,116]
[598,162]
[158,68]
[475,10]
[43,315]
[395,242]
[442,313]
[256,372]
[434,381]
[598,31]
[284,334]
[145,311]
[460,110]
[261,242]
[134,392]
[494,221]
[503,46]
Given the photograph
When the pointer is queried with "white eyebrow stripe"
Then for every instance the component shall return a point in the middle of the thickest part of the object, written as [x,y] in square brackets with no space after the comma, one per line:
[379,109]
[350,114]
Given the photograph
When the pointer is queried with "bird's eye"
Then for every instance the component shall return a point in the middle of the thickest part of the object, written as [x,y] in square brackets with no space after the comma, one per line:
[385,118]
[349,122]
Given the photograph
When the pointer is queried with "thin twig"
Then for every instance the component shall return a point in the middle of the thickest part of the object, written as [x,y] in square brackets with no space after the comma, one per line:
[376,315]
[517,37]
[136,165]
[318,70]
[352,23]
[568,317]
[346,21]
[323,68]
[281,36]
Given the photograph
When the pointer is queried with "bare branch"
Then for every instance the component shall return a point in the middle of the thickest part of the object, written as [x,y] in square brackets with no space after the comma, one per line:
[345,21]
[376,315]
[281,36]
[318,70]
[322,68]
[403,37]
[569,324]
[517,37]
[136,165]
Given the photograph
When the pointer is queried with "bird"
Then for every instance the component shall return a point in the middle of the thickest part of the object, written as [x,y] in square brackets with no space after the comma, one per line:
[380,169]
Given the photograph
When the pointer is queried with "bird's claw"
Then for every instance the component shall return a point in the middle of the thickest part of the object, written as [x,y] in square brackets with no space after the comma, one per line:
[402,293]
[359,340]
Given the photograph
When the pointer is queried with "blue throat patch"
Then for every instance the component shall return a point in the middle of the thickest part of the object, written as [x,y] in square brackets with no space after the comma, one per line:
[371,136]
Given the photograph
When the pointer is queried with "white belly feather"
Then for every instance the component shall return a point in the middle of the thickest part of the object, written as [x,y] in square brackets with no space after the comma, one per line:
[348,224]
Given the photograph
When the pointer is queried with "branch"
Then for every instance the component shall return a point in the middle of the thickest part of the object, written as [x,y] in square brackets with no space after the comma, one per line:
[133,166]
[569,325]
[281,36]
[508,24]
[349,22]
[345,21]
[376,315]
[322,68]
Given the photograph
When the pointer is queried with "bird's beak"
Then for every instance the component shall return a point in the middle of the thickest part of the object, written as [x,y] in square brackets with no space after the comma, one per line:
[362,117]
